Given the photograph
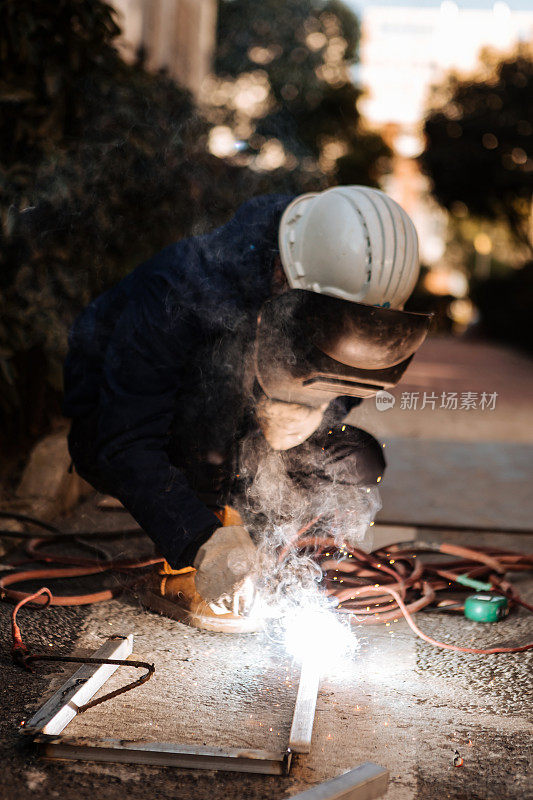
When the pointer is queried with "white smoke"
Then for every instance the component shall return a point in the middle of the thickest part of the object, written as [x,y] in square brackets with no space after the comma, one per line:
[276,507]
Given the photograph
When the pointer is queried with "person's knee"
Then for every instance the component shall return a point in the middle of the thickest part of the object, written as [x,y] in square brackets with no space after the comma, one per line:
[357,454]
[344,454]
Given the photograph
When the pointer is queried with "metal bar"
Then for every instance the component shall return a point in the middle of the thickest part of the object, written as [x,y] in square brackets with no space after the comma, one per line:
[304,709]
[62,707]
[231,759]
[53,717]
[365,782]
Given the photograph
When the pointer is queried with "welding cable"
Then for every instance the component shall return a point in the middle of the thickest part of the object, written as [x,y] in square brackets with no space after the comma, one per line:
[440,527]
[71,572]
[33,549]
[43,597]
[53,533]
[507,589]
[22,656]
[75,566]
[445,645]
[392,582]
[54,600]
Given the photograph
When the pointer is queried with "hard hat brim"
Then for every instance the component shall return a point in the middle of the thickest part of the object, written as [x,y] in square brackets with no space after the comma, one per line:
[363,336]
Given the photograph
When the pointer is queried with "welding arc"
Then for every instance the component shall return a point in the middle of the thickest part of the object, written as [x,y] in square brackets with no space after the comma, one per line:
[389,583]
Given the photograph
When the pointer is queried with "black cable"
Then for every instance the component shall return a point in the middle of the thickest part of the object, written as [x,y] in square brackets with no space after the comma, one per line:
[68,535]
[437,526]
[25,518]
[55,534]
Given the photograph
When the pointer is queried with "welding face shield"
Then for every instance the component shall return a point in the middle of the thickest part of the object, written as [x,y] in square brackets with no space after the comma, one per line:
[311,347]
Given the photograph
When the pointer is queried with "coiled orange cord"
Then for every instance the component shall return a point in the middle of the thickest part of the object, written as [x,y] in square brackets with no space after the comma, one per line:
[394,582]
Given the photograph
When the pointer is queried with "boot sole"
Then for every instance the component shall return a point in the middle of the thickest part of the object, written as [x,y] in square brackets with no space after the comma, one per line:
[223,625]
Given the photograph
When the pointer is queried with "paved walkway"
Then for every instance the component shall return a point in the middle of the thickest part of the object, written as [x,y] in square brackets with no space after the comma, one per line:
[448,366]
[464,466]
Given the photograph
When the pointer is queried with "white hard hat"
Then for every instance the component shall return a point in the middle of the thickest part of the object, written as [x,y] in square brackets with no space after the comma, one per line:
[350,242]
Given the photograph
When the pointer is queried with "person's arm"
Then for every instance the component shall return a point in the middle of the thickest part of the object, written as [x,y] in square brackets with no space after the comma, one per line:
[146,363]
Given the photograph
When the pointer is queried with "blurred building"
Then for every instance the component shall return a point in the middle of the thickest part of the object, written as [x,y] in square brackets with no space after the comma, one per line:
[407,49]
[176,35]
[404,50]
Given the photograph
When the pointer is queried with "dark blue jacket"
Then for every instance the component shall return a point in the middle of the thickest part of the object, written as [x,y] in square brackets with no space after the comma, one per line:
[157,364]
[159,375]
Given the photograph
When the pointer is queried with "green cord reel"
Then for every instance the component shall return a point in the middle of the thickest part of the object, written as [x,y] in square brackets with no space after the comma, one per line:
[483,607]
[486,607]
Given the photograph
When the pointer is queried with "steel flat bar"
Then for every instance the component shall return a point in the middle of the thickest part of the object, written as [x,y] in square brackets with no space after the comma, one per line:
[365,782]
[231,759]
[304,709]
[62,707]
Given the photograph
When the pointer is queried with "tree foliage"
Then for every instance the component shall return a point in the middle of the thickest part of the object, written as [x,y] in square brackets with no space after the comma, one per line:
[479,150]
[46,49]
[305,49]
[505,305]
[101,165]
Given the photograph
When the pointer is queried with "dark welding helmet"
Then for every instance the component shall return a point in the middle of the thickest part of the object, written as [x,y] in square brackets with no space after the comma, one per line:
[311,348]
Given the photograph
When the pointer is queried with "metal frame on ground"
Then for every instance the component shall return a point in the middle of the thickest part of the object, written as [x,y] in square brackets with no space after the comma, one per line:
[48,723]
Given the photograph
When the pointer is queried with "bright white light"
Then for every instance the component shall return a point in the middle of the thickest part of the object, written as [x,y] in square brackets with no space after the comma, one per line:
[318,635]
[408,145]
[221,141]
[448,8]
[271,156]
[501,10]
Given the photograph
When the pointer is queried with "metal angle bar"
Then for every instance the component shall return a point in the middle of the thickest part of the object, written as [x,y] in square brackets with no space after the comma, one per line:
[54,716]
[304,709]
[62,707]
[365,782]
[231,759]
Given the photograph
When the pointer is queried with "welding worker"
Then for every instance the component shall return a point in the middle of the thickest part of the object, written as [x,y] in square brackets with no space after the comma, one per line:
[272,326]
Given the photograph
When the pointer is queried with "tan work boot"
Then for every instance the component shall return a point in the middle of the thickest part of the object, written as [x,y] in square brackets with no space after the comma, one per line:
[173,593]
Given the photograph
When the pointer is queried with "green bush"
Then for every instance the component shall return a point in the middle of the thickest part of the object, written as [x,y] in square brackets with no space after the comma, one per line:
[308,48]
[479,145]
[101,165]
[505,305]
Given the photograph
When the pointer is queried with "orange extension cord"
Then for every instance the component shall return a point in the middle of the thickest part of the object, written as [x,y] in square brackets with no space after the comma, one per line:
[75,567]
[78,567]
[392,582]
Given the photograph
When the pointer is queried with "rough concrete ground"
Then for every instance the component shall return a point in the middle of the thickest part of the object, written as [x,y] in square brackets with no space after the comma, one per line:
[397,701]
